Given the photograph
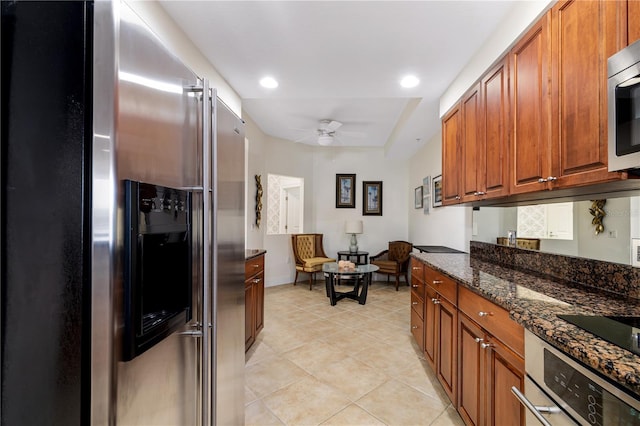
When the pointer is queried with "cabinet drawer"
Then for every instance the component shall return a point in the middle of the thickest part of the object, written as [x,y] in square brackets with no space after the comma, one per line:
[493,319]
[417,328]
[417,287]
[443,285]
[417,270]
[417,304]
[253,266]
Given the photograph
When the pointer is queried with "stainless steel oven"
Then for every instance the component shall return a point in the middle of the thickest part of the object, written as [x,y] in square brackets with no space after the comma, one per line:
[561,391]
[623,70]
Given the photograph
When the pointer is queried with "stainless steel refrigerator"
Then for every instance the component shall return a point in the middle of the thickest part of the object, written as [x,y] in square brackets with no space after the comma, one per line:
[91,99]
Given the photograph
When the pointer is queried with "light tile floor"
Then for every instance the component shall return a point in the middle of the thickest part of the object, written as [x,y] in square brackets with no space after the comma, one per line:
[349,364]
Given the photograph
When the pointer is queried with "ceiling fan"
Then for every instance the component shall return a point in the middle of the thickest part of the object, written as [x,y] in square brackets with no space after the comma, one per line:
[327,132]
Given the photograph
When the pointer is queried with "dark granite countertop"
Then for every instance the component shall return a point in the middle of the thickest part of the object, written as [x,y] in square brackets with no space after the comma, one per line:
[251,253]
[534,301]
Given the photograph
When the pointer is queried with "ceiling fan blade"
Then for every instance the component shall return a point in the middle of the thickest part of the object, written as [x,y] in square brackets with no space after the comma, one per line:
[333,125]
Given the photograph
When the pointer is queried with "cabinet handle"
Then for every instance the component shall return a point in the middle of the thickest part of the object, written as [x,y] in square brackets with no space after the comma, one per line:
[256,280]
[435,301]
[479,193]
[255,265]
[542,180]
[438,281]
[414,303]
[415,268]
[414,327]
[535,410]
[457,197]
[551,178]
[415,285]
[478,340]
[485,314]
[485,345]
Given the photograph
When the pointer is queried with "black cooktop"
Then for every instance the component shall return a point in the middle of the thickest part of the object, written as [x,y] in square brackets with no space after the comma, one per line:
[436,249]
[621,331]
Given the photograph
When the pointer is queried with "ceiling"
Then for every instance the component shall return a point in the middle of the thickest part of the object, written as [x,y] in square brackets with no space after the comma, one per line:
[341,60]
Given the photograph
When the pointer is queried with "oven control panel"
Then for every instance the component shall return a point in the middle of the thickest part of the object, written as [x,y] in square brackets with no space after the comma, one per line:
[588,399]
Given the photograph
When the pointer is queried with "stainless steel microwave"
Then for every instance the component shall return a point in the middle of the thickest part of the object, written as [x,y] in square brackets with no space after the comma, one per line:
[623,70]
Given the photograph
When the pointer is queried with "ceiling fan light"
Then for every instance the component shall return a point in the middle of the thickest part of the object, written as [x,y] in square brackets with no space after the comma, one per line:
[409,81]
[268,82]
[325,140]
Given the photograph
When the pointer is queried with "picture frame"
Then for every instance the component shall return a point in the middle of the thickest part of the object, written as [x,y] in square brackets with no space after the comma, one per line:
[426,194]
[437,191]
[372,198]
[417,198]
[345,191]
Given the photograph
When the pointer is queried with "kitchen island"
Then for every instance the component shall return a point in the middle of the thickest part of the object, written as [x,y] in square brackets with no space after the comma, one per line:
[534,300]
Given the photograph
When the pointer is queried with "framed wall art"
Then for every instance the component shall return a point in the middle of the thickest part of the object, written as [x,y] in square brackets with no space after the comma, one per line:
[417,198]
[426,194]
[437,191]
[372,198]
[345,191]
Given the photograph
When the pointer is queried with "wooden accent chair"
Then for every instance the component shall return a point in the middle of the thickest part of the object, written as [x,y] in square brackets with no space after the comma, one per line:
[394,261]
[309,255]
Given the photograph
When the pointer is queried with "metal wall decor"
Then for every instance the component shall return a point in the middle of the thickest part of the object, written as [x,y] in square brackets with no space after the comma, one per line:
[258,200]
[598,213]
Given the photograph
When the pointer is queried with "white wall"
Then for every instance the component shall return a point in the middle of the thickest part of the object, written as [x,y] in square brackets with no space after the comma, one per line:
[447,226]
[180,45]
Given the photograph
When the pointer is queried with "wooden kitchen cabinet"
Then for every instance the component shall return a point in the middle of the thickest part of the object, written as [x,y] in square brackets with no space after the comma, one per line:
[584,35]
[633,21]
[440,324]
[529,65]
[471,145]
[253,299]
[417,302]
[451,154]
[490,362]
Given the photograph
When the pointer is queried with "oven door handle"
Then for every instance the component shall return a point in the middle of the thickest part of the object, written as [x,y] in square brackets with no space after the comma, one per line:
[534,409]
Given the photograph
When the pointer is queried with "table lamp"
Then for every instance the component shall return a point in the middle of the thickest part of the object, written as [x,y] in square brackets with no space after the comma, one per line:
[353,227]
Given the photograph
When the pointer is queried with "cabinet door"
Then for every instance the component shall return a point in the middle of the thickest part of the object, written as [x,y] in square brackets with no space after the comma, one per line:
[417,328]
[495,127]
[529,68]
[633,20]
[585,34]
[471,145]
[249,327]
[451,156]
[430,326]
[258,297]
[505,369]
[446,345]
[470,371]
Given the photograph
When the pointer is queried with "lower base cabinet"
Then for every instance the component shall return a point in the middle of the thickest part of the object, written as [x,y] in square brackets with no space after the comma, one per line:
[253,299]
[475,350]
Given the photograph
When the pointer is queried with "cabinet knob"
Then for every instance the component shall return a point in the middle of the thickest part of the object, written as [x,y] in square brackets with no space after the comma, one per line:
[414,303]
[484,314]
[415,285]
[478,340]
[457,197]
[435,301]
[542,180]
[437,281]
[256,280]
[414,327]
[551,178]
[485,345]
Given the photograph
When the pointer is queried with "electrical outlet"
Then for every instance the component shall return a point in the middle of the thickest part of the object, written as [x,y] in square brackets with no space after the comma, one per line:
[613,234]
[635,252]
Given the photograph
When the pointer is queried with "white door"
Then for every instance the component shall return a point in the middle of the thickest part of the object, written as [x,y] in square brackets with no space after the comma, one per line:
[293,210]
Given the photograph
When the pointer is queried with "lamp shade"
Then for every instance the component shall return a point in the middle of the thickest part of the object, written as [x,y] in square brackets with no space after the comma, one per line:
[353,227]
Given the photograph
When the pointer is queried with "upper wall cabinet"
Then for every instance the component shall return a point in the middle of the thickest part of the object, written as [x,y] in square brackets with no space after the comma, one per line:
[471,144]
[530,113]
[584,35]
[633,20]
[451,173]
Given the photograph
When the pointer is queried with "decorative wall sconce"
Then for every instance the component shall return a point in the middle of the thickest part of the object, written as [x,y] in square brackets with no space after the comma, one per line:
[258,200]
[598,213]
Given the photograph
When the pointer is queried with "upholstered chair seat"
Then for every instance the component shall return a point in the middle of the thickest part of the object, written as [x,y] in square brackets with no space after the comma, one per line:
[309,255]
[394,261]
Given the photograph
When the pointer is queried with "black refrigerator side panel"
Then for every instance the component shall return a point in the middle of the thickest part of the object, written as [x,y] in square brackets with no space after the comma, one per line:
[45,212]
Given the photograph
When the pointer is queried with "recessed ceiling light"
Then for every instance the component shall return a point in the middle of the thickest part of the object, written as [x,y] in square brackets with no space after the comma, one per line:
[409,81]
[269,82]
